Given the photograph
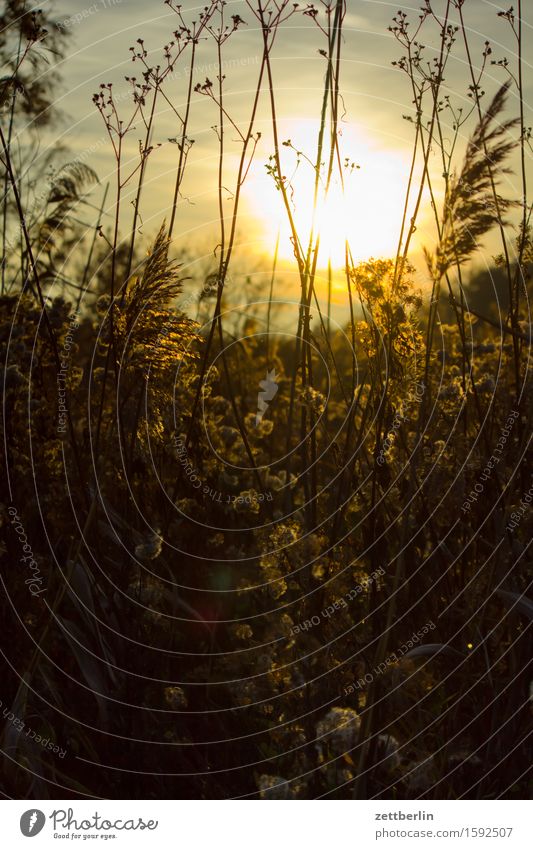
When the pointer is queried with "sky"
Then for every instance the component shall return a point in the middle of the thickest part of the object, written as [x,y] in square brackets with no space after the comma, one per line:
[374,135]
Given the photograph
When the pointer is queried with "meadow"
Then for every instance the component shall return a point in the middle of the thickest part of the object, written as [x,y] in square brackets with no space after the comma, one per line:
[249,548]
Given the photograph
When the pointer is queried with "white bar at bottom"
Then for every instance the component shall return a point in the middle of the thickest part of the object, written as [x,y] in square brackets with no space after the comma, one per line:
[266,824]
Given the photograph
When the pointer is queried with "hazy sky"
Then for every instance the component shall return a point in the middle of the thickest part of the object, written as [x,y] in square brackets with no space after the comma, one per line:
[374,135]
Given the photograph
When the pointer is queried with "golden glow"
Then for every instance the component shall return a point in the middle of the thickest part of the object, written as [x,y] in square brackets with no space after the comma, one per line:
[368,212]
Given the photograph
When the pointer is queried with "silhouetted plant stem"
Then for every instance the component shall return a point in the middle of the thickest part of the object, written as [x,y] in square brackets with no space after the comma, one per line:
[38,290]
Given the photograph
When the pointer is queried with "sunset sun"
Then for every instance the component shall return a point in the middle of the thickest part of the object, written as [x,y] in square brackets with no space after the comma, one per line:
[363,207]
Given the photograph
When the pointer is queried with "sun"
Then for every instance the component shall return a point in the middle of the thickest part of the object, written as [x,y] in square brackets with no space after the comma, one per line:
[365,208]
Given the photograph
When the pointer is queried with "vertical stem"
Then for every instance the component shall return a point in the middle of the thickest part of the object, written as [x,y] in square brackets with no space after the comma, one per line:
[35,273]
[270,295]
[181,161]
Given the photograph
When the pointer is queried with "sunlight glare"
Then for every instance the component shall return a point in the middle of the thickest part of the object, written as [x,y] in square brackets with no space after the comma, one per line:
[368,212]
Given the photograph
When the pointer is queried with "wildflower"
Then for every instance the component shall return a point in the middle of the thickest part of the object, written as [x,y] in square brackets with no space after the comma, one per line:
[486,384]
[273,787]
[387,751]
[150,548]
[175,698]
[243,632]
[338,731]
